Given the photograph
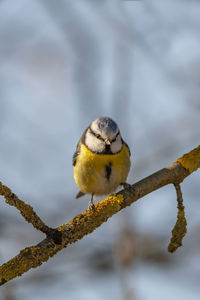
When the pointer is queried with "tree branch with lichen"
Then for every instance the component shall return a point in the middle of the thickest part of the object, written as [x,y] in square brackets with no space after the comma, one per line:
[88,221]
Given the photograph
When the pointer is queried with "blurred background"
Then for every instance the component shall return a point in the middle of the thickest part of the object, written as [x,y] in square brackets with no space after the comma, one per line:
[62,65]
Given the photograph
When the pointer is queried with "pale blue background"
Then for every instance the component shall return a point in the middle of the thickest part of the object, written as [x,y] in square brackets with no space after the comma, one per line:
[63,64]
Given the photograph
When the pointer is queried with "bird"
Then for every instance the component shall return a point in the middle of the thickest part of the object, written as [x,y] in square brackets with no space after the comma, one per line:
[101,162]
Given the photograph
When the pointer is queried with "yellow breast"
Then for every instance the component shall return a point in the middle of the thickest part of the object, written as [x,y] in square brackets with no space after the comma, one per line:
[101,174]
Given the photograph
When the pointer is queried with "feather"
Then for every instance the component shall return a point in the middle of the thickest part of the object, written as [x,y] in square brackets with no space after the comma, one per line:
[80,194]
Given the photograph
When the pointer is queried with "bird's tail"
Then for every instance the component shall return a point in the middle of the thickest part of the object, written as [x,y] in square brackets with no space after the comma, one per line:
[80,194]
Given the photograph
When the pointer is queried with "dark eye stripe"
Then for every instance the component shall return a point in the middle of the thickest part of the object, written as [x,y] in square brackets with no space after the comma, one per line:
[96,134]
[114,140]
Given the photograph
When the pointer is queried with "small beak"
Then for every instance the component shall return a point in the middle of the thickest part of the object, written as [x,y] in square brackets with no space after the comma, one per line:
[107,142]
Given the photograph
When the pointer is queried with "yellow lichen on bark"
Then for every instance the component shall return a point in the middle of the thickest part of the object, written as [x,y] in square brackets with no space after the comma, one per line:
[180,228]
[89,220]
[25,209]
[30,257]
[179,231]
[191,160]
[82,224]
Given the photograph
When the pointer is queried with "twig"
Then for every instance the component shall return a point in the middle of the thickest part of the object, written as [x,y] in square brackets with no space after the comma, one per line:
[180,228]
[28,213]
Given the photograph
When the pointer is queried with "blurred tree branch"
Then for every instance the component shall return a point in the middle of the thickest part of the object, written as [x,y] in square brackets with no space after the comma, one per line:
[88,221]
[180,227]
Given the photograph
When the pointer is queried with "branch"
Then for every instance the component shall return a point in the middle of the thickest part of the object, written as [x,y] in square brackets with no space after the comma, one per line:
[28,213]
[88,221]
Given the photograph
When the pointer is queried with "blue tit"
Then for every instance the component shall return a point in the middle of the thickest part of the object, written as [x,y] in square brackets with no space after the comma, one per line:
[102,159]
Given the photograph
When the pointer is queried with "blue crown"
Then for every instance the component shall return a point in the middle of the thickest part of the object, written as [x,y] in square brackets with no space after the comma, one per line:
[107,124]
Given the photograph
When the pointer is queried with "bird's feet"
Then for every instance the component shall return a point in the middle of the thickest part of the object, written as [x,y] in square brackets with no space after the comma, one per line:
[91,204]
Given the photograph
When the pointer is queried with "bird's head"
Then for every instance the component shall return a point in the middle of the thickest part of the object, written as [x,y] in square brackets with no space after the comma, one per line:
[103,136]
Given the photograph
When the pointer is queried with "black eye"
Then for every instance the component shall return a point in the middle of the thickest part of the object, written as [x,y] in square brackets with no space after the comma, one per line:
[98,136]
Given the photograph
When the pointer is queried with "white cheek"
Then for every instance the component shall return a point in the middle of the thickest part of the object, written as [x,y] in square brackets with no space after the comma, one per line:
[95,127]
[93,143]
[117,145]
